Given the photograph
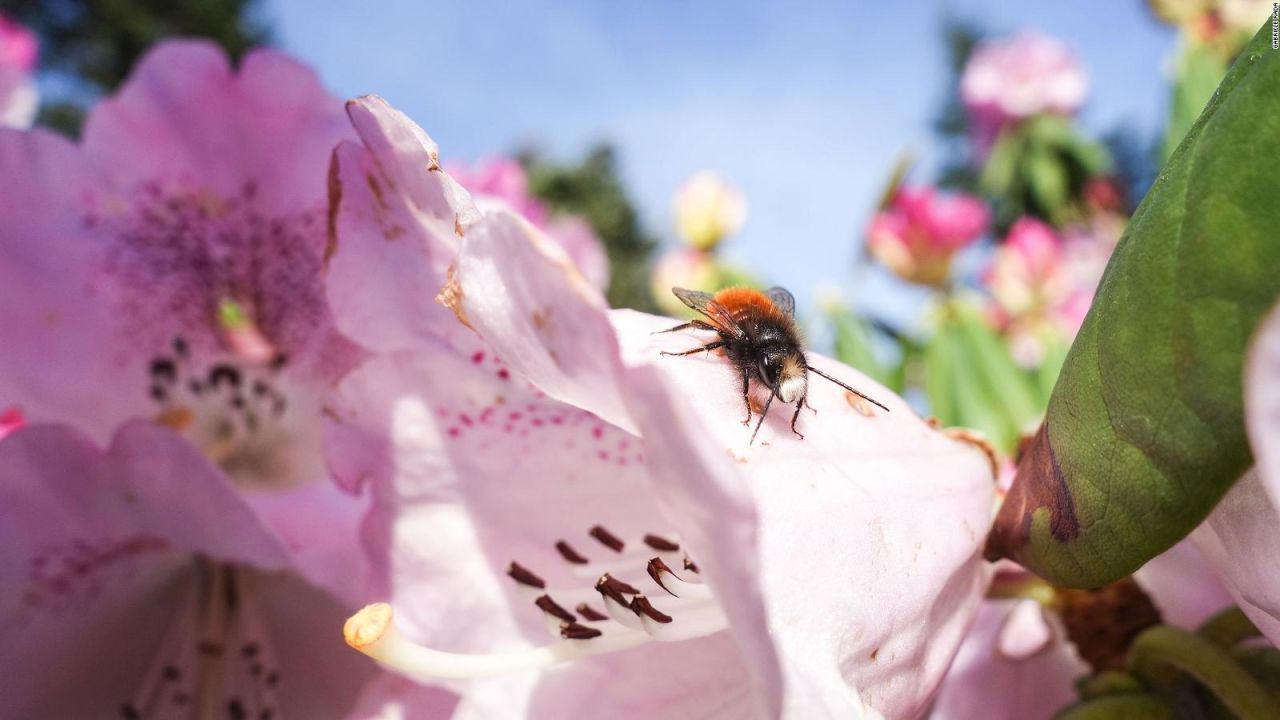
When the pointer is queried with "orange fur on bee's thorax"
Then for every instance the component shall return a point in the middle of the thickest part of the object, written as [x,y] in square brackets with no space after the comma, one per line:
[748,302]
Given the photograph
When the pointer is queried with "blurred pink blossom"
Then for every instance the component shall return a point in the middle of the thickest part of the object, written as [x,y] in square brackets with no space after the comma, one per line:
[1010,79]
[18,51]
[504,180]
[162,292]
[514,460]
[1041,285]
[921,229]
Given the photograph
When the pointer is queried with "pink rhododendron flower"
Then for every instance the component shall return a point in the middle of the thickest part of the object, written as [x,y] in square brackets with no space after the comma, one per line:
[167,271]
[708,209]
[1242,535]
[504,180]
[510,469]
[137,582]
[18,97]
[920,231]
[1034,291]
[1010,79]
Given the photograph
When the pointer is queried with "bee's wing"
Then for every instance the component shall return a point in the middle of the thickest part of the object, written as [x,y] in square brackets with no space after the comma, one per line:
[783,299]
[706,304]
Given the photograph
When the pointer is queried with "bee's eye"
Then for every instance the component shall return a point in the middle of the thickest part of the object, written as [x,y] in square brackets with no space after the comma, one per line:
[769,369]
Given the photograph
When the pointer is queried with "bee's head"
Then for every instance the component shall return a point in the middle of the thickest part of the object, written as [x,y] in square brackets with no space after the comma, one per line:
[784,371]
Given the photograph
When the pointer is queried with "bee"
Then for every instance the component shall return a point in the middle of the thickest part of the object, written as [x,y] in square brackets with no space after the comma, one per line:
[757,331]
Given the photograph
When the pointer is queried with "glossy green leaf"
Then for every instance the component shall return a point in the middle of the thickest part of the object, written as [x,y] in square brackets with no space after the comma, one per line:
[1145,430]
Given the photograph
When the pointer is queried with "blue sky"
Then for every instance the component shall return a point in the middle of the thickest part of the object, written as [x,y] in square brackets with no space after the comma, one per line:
[805,110]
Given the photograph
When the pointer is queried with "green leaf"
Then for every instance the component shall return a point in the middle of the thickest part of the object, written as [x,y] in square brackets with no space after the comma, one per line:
[972,381]
[1145,430]
[853,348]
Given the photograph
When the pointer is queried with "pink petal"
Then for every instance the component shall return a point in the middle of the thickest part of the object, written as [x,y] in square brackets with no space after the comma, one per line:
[93,543]
[184,115]
[1183,585]
[581,244]
[527,300]
[396,217]
[1241,538]
[859,544]
[984,682]
[1262,403]
[1026,631]
[319,675]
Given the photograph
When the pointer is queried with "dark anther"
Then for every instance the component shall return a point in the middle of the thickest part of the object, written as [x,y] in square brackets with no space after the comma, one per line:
[260,388]
[195,387]
[574,631]
[613,588]
[272,679]
[607,538]
[237,401]
[162,368]
[171,673]
[130,712]
[250,649]
[660,544]
[266,714]
[235,709]
[180,347]
[278,361]
[589,613]
[524,577]
[656,568]
[688,565]
[640,604]
[569,554]
[158,394]
[220,373]
[549,606]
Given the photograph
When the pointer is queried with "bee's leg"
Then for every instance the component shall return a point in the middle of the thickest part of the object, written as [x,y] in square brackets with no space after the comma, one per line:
[796,416]
[805,400]
[746,398]
[691,324]
[707,348]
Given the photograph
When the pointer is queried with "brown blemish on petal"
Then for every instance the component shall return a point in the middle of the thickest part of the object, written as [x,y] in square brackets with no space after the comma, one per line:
[457,226]
[540,318]
[335,201]
[375,187]
[1039,483]
[933,422]
[857,403]
[393,232]
[450,296]
[434,165]
[756,407]
[976,439]
[874,653]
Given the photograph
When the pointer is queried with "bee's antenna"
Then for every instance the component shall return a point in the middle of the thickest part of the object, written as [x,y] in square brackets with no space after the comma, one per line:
[846,387]
[764,413]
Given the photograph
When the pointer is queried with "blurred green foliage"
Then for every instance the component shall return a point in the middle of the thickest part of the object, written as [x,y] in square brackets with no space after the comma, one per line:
[96,42]
[591,188]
